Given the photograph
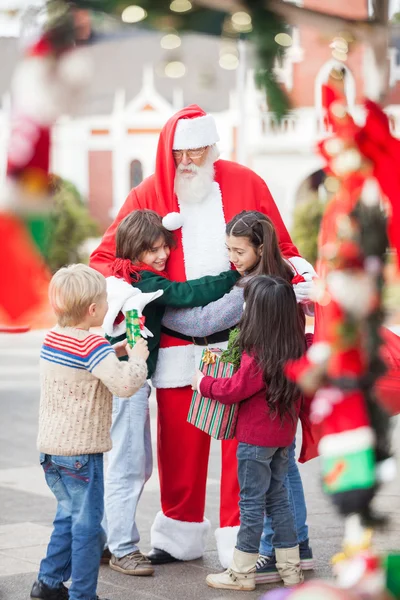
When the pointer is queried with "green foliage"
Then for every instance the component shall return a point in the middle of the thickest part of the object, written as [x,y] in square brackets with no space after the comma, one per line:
[70,226]
[306,223]
[265,26]
[232,353]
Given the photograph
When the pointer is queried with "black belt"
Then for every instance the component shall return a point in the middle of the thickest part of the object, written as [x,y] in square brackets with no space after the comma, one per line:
[214,338]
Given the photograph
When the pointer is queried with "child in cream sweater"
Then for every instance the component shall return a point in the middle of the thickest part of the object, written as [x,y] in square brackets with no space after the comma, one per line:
[80,372]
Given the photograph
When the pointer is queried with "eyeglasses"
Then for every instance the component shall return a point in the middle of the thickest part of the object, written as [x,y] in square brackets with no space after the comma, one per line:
[195,153]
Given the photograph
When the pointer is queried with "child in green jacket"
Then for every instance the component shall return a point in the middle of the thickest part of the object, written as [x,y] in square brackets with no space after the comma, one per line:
[142,249]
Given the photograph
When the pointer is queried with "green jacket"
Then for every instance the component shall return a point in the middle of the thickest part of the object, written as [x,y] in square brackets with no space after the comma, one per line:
[185,294]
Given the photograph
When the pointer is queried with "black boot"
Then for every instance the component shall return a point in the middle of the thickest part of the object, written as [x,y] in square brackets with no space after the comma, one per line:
[105,557]
[160,557]
[43,592]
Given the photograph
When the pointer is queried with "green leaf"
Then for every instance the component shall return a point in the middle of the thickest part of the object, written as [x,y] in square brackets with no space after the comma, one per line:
[232,353]
[71,225]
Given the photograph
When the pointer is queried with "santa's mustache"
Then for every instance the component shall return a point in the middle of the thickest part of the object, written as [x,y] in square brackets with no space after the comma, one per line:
[190,167]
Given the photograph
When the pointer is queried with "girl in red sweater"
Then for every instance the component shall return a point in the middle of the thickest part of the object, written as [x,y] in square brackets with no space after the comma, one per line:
[271,333]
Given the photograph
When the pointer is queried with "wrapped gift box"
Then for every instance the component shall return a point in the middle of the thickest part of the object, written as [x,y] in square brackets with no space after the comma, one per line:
[211,416]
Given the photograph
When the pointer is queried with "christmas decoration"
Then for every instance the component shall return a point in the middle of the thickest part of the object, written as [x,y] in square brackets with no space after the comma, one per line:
[25,275]
[344,368]
[361,576]
[349,315]
[45,85]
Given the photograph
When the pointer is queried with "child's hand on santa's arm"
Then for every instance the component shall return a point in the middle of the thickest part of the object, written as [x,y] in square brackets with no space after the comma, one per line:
[196,381]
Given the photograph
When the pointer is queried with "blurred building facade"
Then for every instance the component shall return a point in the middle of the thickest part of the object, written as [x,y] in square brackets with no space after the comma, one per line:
[109,146]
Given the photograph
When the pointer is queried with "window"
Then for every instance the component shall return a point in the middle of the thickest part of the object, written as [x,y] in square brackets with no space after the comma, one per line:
[136,173]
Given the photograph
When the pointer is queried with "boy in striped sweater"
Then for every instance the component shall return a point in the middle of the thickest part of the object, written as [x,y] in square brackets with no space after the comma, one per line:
[80,372]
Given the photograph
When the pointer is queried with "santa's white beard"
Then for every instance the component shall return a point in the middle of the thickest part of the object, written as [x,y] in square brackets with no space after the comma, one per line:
[192,189]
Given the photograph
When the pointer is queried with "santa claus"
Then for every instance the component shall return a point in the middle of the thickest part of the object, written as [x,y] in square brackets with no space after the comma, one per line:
[196,193]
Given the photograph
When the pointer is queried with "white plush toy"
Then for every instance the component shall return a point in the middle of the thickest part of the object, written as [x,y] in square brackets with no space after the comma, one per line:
[121,297]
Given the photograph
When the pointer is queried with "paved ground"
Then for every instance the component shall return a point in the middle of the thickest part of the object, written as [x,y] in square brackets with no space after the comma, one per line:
[27,507]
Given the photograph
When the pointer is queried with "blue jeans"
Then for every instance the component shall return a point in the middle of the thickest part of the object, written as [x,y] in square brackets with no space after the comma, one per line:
[130,464]
[297,503]
[262,473]
[77,540]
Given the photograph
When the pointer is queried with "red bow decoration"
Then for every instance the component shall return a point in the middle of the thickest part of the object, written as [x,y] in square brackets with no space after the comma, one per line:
[297,279]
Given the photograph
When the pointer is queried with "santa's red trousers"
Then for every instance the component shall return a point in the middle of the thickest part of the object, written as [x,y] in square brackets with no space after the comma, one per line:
[183,452]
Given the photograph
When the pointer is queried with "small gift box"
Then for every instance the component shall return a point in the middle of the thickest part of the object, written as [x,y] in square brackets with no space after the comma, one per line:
[134,325]
[211,416]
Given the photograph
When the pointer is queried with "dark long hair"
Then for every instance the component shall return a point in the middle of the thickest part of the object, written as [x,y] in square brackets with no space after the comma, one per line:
[272,332]
[260,231]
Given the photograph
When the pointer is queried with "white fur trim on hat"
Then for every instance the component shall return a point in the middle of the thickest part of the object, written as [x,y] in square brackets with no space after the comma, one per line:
[226,538]
[172,221]
[182,539]
[195,133]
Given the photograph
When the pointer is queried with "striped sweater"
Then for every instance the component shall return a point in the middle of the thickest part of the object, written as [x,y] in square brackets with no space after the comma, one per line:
[79,373]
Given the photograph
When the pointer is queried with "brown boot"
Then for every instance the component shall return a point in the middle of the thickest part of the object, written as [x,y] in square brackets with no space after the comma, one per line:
[135,563]
[288,565]
[240,576]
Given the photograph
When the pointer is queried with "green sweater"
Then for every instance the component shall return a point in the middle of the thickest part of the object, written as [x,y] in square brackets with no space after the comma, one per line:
[185,294]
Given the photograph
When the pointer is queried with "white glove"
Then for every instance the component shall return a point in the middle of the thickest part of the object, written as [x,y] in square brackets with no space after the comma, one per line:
[122,296]
[301,266]
[138,303]
[303,289]
[118,292]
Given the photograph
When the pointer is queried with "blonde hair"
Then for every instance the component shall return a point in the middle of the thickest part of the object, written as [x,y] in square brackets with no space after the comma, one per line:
[72,290]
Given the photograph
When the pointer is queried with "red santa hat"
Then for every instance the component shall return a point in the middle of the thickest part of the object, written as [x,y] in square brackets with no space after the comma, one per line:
[196,132]
[187,124]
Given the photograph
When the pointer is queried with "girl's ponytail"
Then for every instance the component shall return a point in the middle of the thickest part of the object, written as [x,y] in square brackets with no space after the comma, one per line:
[272,262]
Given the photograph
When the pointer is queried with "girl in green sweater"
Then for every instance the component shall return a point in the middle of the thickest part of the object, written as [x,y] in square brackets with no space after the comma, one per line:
[142,250]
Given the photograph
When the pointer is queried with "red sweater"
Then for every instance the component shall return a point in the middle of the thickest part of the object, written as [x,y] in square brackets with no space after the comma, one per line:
[254,424]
